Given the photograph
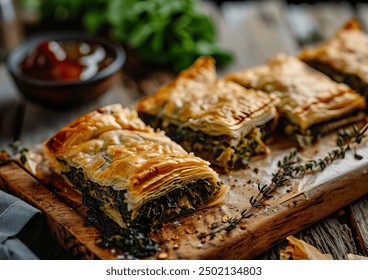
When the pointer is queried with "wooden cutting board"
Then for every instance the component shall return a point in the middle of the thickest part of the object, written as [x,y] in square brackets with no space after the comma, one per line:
[292,208]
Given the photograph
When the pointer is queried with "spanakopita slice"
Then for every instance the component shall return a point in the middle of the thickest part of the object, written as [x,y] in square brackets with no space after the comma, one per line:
[216,119]
[344,57]
[311,103]
[134,175]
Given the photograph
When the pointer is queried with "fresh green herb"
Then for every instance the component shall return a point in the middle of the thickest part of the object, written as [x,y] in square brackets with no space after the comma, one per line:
[16,149]
[132,242]
[278,179]
[162,32]
[352,133]
[292,166]
[344,143]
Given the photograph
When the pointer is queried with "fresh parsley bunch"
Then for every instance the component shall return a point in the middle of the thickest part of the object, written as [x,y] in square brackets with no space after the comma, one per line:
[170,32]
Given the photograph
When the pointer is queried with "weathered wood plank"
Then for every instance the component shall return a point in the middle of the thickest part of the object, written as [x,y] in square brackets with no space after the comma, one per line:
[291,209]
[66,224]
[311,23]
[344,232]
[362,12]
[141,79]
[359,223]
[259,31]
[330,236]
[152,82]
[251,30]
[226,38]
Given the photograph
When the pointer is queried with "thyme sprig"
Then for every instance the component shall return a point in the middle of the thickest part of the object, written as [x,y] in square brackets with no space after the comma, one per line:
[16,149]
[278,179]
[290,167]
[345,140]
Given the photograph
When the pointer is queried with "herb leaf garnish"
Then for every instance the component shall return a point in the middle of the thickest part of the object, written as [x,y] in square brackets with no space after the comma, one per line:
[291,167]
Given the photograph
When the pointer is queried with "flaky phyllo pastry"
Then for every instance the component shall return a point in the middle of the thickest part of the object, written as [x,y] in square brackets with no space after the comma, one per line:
[311,103]
[129,172]
[344,57]
[216,119]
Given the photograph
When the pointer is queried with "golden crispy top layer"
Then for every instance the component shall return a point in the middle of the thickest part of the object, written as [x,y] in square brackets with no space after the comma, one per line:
[198,100]
[114,148]
[307,96]
[346,51]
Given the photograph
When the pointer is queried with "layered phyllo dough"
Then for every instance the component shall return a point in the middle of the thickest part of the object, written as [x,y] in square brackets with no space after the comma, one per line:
[216,119]
[129,172]
[311,103]
[344,57]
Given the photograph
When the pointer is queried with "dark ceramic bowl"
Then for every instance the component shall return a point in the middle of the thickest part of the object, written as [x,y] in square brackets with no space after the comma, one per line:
[64,94]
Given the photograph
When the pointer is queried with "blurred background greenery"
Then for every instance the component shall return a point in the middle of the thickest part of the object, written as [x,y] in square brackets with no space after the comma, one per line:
[172,33]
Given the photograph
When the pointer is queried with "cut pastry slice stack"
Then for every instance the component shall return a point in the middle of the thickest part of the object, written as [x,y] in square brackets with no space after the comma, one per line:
[311,103]
[216,119]
[124,169]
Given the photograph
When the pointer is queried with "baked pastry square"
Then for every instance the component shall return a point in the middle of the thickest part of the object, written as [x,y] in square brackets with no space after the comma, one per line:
[216,119]
[135,176]
[344,57]
[311,103]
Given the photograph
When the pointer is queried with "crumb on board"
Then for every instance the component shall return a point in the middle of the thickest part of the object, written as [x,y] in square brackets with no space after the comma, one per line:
[225,218]
[188,231]
[162,256]
[222,238]
[174,237]
[243,227]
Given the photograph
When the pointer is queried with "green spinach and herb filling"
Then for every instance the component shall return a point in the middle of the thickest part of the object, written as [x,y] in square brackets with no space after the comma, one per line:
[354,81]
[223,150]
[180,201]
[134,242]
[306,137]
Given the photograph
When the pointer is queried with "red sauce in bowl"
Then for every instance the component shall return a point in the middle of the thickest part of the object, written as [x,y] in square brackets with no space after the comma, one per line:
[65,60]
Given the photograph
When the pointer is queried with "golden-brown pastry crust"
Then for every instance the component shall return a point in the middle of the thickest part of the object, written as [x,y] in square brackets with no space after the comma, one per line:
[198,100]
[345,52]
[307,96]
[114,148]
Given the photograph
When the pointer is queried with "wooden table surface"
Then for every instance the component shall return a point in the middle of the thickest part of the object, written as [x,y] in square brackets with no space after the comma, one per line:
[254,31]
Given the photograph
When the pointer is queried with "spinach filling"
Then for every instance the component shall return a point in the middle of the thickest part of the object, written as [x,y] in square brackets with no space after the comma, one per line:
[352,80]
[212,147]
[134,242]
[306,137]
[180,201]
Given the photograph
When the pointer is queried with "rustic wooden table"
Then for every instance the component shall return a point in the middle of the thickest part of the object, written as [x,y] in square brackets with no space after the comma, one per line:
[255,31]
